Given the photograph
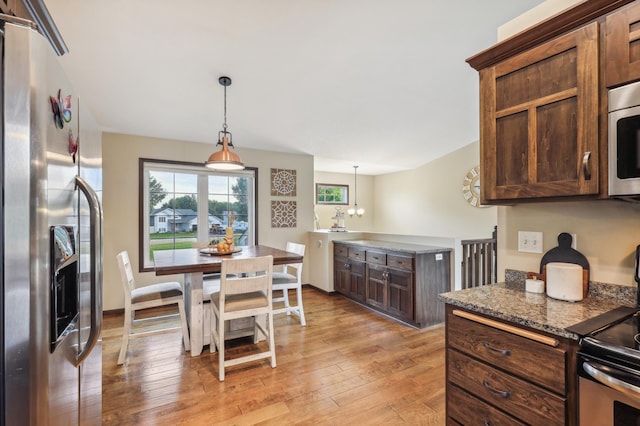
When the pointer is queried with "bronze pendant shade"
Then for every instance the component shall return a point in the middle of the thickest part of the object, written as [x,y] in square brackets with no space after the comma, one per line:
[225,159]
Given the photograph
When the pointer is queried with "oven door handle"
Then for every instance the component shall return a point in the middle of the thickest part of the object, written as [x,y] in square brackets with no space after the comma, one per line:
[610,381]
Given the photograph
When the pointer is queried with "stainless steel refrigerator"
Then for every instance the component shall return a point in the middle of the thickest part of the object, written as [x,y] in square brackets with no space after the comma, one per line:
[51,298]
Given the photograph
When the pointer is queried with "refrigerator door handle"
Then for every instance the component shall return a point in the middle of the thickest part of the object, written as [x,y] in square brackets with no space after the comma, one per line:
[95,229]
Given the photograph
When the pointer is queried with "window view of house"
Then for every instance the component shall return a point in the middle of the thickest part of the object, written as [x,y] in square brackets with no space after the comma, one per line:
[189,204]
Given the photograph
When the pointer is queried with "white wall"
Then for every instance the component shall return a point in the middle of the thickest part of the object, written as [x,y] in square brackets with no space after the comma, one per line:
[533,16]
[421,206]
[426,201]
[608,231]
[120,184]
[429,201]
[366,200]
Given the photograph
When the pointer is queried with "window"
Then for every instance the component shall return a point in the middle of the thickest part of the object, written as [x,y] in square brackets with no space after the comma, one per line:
[183,203]
[332,194]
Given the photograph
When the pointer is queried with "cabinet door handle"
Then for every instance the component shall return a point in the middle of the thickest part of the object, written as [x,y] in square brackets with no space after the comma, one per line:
[347,266]
[487,345]
[586,170]
[485,422]
[502,393]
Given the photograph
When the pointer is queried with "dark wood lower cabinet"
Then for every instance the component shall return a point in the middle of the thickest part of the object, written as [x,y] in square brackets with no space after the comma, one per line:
[377,286]
[470,410]
[357,280]
[341,275]
[400,280]
[349,279]
[499,373]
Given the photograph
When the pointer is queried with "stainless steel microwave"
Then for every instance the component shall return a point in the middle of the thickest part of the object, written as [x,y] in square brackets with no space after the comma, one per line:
[624,142]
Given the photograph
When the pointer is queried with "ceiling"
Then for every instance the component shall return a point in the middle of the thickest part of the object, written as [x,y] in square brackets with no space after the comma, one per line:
[377,83]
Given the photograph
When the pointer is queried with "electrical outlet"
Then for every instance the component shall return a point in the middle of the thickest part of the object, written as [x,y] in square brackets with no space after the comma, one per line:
[530,242]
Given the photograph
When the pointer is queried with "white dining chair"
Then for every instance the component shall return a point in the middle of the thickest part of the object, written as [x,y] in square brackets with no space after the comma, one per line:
[151,296]
[245,291]
[290,278]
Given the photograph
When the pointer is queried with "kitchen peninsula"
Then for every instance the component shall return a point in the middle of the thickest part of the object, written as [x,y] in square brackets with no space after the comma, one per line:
[401,280]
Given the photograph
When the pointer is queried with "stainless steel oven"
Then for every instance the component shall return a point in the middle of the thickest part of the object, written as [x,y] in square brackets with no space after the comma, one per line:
[606,396]
[609,365]
[601,405]
[609,373]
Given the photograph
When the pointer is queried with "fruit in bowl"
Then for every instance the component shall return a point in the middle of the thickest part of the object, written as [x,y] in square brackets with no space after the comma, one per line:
[225,246]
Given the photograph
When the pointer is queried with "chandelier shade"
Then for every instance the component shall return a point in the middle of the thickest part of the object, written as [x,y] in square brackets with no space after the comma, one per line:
[225,159]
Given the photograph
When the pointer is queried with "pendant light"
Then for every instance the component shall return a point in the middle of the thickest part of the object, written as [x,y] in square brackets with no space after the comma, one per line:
[225,159]
[355,210]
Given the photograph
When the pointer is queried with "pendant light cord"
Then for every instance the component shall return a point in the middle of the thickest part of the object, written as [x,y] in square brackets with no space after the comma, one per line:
[355,185]
[224,126]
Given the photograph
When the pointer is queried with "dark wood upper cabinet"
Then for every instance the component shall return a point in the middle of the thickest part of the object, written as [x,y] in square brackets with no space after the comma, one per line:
[539,120]
[622,41]
[543,102]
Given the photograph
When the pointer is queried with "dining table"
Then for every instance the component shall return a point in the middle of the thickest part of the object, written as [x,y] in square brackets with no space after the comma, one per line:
[194,263]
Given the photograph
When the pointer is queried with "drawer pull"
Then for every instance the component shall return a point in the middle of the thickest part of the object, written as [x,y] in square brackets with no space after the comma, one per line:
[504,394]
[506,352]
[549,341]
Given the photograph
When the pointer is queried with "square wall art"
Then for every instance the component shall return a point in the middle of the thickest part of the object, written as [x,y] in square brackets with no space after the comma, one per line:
[283,182]
[283,214]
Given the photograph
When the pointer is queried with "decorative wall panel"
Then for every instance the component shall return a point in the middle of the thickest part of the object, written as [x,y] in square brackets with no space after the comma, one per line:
[283,182]
[284,214]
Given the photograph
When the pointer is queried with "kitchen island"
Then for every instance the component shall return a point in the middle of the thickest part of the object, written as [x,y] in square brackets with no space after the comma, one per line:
[510,357]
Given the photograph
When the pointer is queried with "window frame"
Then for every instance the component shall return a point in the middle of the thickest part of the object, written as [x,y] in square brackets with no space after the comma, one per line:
[344,188]
[196,168]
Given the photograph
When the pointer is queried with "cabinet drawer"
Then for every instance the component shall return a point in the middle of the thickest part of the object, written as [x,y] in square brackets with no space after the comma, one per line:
[467,409]
[356,253]
[401,262]
[524,400]
[340,250]
[378,257]
[540,363]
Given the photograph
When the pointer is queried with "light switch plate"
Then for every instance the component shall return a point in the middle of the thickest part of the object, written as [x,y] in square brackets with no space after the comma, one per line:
[530,242]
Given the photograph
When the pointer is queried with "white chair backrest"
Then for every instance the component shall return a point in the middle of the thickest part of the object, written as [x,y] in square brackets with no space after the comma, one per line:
[239,276]
[126,274]
[297,249]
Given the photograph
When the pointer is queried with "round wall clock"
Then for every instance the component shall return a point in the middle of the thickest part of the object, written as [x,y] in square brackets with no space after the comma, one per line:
[471,187]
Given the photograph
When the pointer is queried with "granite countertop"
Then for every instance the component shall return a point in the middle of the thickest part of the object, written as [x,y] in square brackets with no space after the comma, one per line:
[509,301]
[395,246]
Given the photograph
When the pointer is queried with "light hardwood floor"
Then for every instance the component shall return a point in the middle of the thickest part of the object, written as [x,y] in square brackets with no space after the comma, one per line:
[347,366]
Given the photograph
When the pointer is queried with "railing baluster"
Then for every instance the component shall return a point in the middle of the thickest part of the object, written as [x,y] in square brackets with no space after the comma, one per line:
[478,266]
